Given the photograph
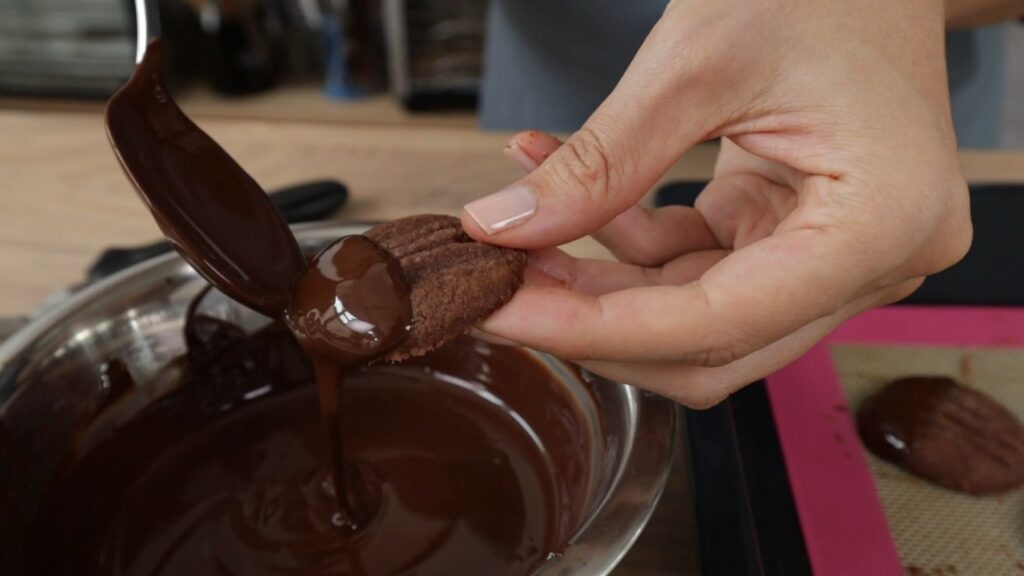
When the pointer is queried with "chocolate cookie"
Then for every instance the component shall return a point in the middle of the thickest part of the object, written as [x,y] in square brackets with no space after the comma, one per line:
[947,433]
[455,281]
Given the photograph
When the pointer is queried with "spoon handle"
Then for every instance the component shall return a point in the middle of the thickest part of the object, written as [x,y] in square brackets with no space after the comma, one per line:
[147,26]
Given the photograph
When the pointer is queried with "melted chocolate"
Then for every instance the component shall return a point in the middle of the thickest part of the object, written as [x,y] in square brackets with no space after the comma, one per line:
[351,305]
[225,476]
[429,473]
[217,216]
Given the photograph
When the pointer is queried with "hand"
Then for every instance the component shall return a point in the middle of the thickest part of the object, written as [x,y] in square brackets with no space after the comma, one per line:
[837,189]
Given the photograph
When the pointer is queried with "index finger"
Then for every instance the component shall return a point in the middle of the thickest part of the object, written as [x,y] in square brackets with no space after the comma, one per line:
[749,299]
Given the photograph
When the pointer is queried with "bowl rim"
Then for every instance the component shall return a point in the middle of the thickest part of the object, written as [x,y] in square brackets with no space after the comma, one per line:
[602,539]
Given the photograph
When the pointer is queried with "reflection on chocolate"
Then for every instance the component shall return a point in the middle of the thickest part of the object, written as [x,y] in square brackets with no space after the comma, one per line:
[351,304]
[945,432]
[226,476]
[203,201]
[116,381]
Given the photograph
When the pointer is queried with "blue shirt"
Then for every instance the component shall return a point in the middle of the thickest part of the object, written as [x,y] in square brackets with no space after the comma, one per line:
[550,63]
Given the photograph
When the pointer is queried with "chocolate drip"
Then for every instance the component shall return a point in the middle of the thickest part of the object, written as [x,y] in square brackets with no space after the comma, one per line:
[351,305]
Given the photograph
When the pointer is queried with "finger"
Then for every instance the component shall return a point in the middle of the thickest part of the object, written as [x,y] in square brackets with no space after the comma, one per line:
[742,208]
[531,148]
[555,268]
[637,133]
[653,237]
[638,235]
[734,159]
[703,387]
[750,298]
[583,185]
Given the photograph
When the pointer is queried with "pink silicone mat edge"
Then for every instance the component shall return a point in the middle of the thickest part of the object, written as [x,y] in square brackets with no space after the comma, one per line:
[844,526]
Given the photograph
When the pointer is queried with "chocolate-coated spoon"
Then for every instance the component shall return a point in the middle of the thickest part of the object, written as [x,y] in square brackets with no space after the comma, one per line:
[219,219]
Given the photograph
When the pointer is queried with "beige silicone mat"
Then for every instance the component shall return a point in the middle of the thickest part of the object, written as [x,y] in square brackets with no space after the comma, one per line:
[939,532]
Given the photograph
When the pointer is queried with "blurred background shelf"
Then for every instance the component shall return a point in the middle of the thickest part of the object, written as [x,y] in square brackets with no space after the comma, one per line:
[293,103]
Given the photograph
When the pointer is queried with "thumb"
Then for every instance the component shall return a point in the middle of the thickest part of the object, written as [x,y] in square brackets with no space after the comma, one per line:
[584,184]
[629,142]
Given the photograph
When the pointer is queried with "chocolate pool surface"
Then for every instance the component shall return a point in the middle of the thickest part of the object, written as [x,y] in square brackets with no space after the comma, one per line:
[474,459]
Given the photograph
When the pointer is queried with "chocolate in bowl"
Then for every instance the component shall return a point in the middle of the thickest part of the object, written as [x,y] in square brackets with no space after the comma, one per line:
[589,431]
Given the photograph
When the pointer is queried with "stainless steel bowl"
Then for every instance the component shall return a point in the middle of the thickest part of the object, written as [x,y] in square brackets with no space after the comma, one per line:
[138,316]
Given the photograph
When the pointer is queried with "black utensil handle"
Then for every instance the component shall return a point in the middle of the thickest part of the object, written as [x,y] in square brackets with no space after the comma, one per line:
[305,202]
[310,201]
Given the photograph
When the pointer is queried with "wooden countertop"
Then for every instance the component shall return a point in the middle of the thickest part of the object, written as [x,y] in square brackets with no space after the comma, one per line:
[64,199]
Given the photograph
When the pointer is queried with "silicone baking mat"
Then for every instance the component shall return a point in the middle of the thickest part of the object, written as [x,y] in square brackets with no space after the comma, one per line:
[938,531]
[860,515]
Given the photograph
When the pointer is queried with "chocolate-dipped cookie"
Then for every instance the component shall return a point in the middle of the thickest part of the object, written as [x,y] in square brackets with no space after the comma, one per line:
[455,281]
[945,432]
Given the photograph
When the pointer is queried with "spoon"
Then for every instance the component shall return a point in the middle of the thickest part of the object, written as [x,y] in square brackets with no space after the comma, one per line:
[213,212]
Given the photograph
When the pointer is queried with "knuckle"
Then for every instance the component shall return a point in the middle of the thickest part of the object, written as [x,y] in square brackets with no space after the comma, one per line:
[724,346]
[586,165]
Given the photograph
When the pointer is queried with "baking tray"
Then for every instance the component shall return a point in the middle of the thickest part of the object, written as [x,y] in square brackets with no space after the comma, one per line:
[746,516]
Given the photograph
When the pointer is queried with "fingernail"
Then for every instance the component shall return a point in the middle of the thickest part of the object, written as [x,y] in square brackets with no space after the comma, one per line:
[504,209]
[517,154]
